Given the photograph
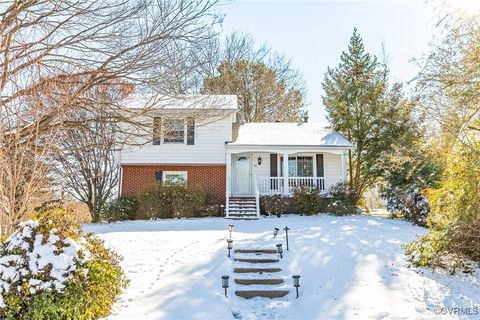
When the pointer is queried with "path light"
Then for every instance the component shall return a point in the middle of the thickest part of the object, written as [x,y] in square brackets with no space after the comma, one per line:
[229,246]
[286,234]
[280,250]
[225,283]
[296,283]
[275,232]
[230,229]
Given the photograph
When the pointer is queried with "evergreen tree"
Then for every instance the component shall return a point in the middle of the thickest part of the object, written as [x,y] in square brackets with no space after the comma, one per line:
[371,114]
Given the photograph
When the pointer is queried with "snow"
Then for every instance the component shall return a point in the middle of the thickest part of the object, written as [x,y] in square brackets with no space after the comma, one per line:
[351,268]
[289,134]
[46,256]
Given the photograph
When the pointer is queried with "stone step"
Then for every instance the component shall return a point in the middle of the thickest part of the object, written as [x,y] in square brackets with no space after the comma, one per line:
[269,282]
[255,251]
[247,294]
[256,270]
[256,260]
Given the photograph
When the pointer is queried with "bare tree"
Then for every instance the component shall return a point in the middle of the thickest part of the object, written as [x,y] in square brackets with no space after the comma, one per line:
[54,54]
[268,87]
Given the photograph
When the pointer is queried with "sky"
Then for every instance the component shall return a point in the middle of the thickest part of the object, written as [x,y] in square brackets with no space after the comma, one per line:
[314,34]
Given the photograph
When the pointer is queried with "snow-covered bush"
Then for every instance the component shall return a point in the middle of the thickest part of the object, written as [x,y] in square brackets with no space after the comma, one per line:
[308,200]
[276,204]
[412,205]
[50,270]
[343,200]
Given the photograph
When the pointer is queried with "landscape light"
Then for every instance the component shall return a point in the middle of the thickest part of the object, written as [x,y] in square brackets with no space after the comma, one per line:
[286,234]
[280,250]
[225,283]
[229,246]
[275,232]
[296,282]
[230,229]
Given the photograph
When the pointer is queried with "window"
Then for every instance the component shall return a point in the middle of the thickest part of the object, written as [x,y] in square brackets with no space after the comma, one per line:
[174,177]
[298,166]
[157,130]
[174,131]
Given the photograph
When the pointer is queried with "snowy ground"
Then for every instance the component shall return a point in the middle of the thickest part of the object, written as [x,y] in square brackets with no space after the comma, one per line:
[350,267]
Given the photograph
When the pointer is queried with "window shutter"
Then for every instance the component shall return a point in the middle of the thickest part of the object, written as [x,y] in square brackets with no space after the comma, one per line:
[320,168]
[190,131]
[157,130]
[273,171]
[158,176]
[273,165]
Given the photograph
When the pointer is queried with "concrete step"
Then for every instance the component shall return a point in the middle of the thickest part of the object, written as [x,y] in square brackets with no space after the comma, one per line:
[247,294]
[242,205]
[256,260]
[242,209]
[242,214]
[256,270]
[269,282]
[255,251]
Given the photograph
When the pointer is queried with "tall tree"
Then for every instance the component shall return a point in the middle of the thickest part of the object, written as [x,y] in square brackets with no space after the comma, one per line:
[362,106]
[267,85]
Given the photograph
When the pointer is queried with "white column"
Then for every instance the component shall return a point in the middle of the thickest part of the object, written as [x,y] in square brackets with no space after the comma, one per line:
[344,169]
[286,189]
[229,172]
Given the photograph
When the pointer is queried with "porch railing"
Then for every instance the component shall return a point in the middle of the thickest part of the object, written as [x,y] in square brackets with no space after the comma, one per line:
[276,185]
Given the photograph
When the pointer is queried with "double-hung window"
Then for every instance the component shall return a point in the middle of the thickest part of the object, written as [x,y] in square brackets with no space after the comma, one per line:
[298,166]
[174,131]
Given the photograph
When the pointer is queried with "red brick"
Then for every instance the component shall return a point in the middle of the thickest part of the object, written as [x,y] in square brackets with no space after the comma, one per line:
[210,177]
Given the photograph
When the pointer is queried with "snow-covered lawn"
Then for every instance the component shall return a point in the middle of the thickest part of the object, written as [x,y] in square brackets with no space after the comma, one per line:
[350,267]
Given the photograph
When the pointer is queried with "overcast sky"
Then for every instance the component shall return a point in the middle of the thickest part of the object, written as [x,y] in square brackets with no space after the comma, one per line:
[314,33]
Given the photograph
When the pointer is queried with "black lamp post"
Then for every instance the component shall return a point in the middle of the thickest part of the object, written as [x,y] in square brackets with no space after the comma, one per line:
[280,250]
[286,234]
[296,282]
[275,232]
[230,229]
[229,246]
[225,283]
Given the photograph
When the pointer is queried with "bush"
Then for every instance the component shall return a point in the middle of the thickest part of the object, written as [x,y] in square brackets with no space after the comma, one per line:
[50,270]
[453,224]
[412,205]
[343,200]
[120,209]
[276,204]
[308,201]
[174,201]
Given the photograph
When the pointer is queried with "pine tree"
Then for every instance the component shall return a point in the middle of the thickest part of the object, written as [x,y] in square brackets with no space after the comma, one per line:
[362,106]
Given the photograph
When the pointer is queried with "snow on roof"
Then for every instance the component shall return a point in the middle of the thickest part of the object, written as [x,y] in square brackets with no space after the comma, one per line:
[196,102]
[289,134]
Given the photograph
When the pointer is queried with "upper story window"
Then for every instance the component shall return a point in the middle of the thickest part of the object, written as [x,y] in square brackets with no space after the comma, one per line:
[173,130]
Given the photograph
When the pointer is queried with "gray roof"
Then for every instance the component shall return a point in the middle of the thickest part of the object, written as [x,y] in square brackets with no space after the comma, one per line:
[289,134]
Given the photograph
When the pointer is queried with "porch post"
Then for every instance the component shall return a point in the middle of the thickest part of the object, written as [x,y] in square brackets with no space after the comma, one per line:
[286,188]
[229,173]
[344,171]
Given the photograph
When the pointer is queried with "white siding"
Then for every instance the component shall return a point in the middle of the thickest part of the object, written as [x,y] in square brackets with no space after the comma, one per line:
[262,170]
[332,164]
[209,147]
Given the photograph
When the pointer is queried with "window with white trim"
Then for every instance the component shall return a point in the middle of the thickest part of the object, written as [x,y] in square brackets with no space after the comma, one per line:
[298,166]
[174,177]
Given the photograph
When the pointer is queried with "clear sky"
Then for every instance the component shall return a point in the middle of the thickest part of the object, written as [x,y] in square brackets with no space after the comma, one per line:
[314,33]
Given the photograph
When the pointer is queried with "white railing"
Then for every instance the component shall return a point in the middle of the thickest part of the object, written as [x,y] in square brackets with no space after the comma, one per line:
[275,185]
[257,195]
[227,206]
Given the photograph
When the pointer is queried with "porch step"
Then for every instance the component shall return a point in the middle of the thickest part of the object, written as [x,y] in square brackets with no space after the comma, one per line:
[247,294]
[268,282]
[242,208]
[256,270]
[239,215]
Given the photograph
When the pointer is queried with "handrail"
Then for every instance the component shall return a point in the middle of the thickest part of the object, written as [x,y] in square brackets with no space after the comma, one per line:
[257,195]
[227,199]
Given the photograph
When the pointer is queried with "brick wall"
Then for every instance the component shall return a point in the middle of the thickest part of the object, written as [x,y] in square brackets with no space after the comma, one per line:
[210,177]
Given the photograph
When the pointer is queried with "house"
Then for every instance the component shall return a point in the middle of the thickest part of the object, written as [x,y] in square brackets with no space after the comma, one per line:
[196,139]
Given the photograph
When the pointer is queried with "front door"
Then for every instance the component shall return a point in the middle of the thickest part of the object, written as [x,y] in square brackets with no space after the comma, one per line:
[242,177]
